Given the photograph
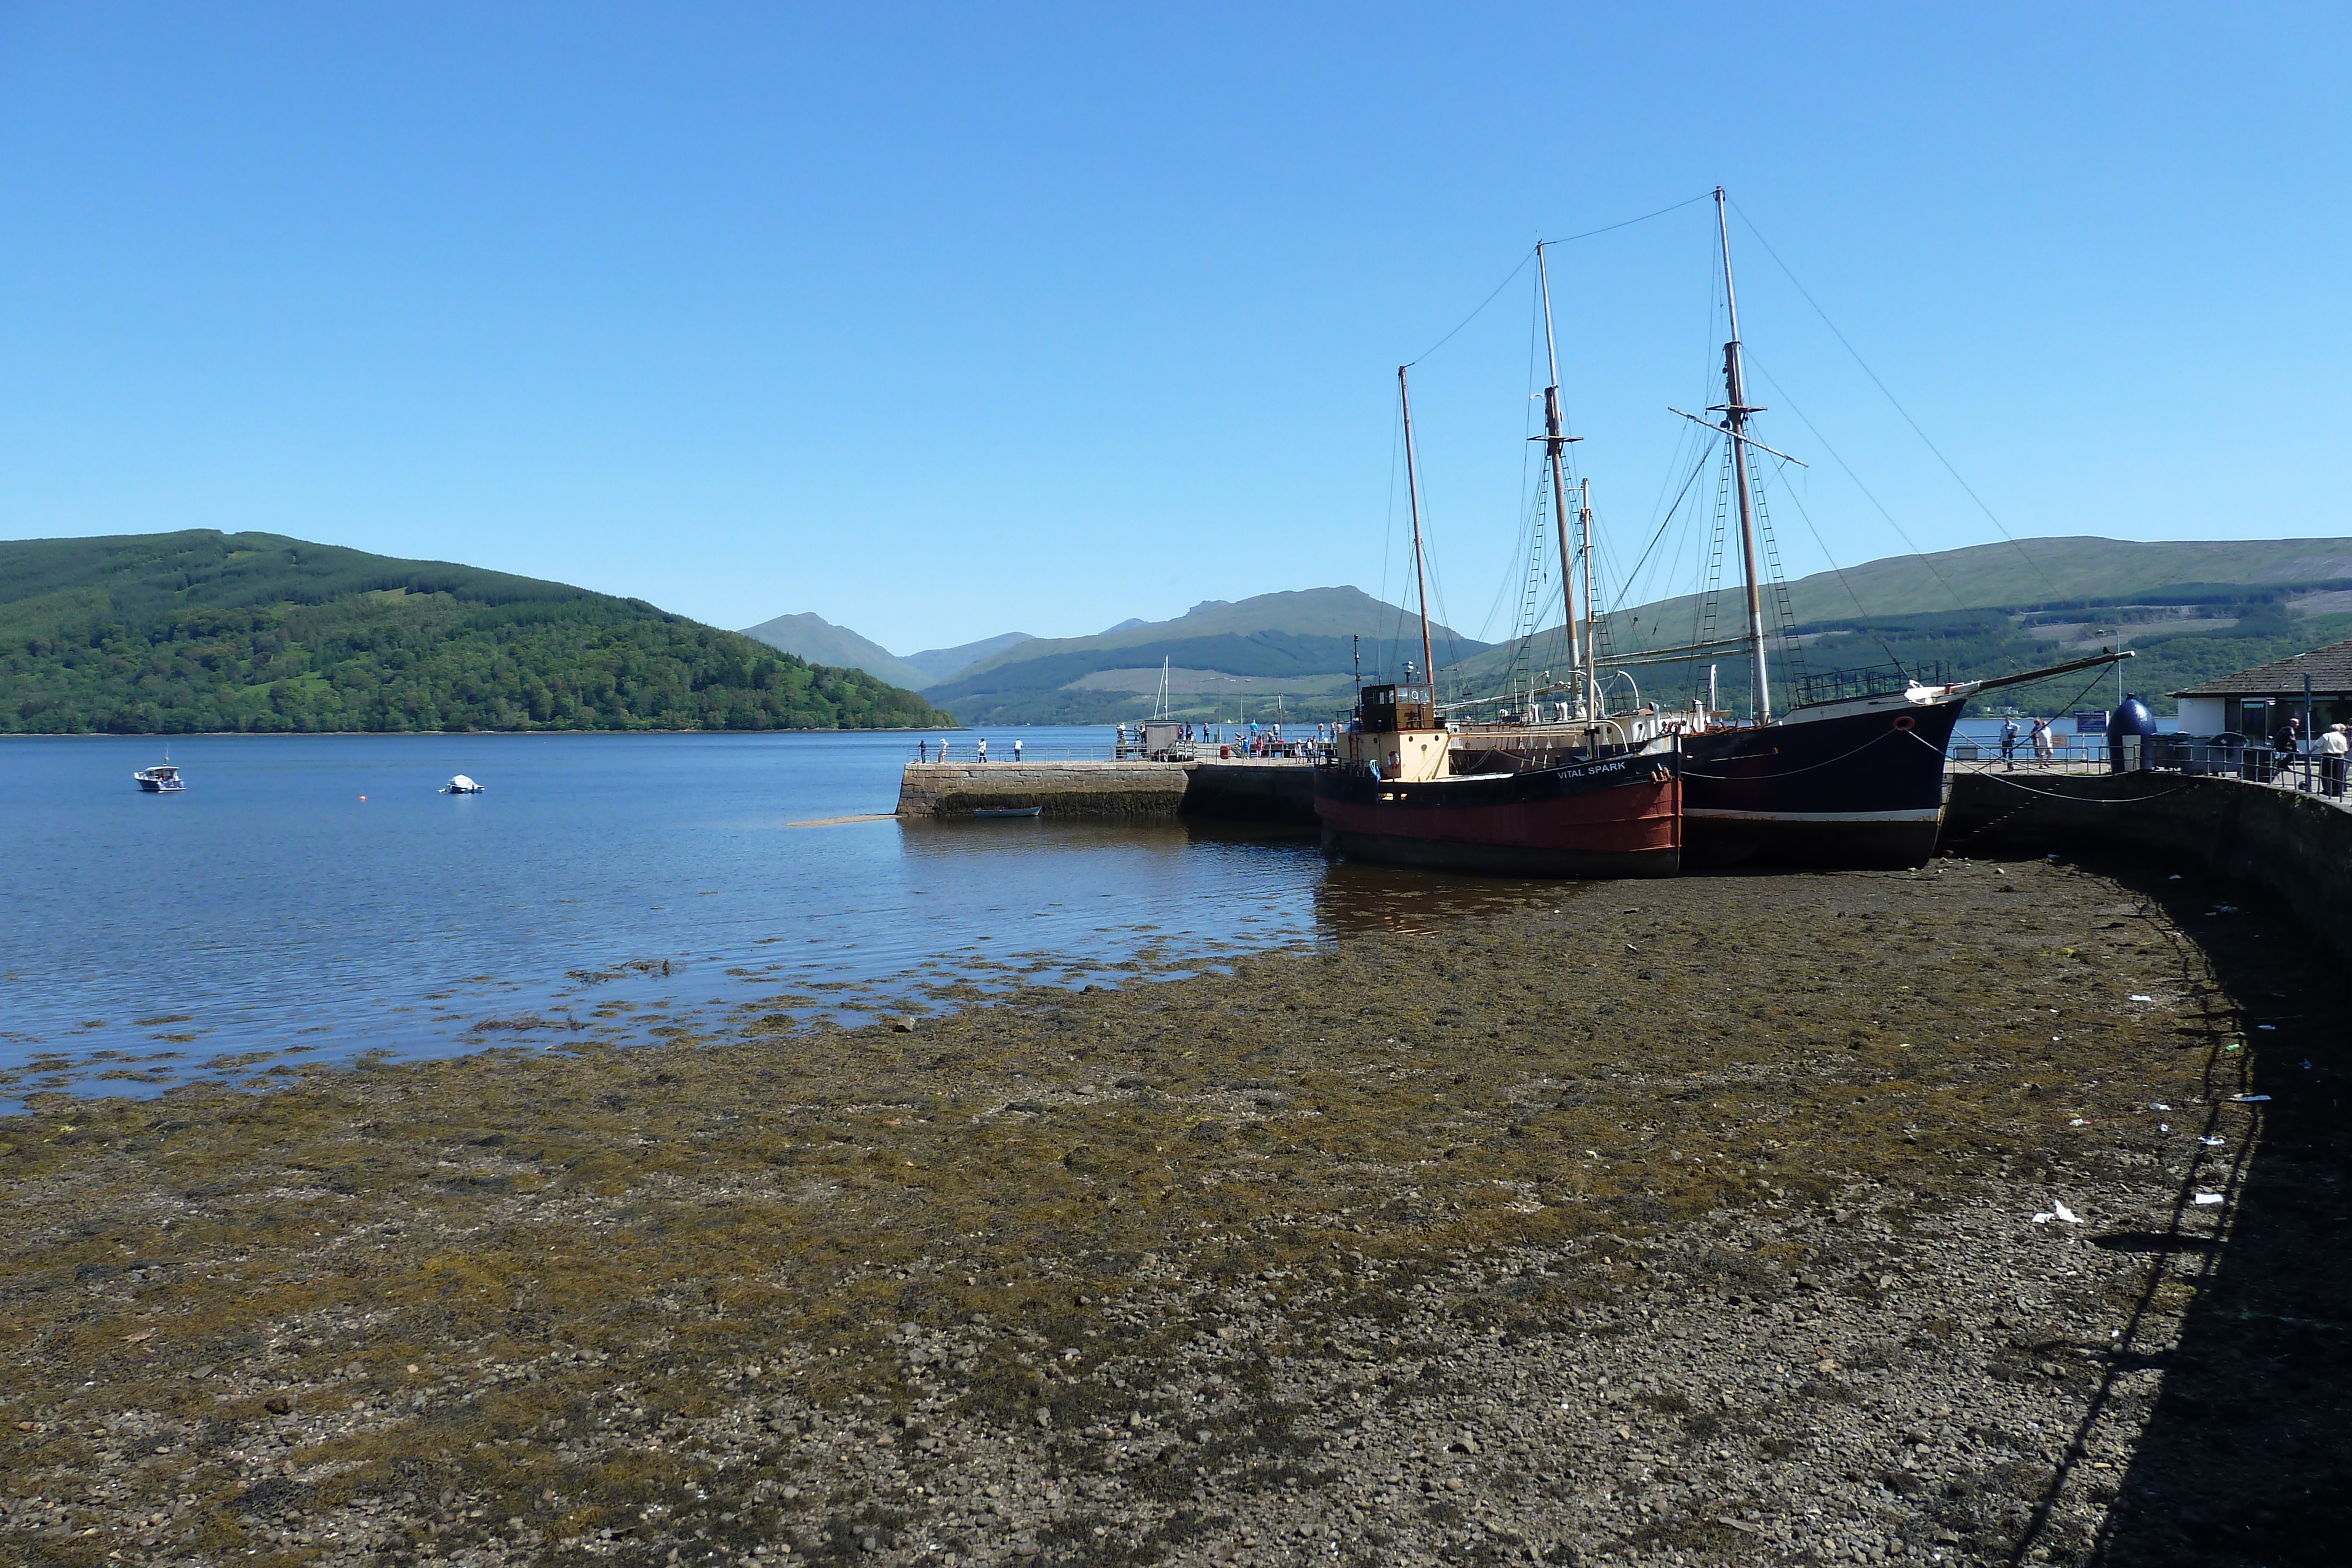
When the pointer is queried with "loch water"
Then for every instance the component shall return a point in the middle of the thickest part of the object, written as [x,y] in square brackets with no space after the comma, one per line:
[314,898]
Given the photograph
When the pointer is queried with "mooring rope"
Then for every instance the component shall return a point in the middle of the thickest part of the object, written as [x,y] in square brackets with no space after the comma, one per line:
[2083,800]
[1793,772]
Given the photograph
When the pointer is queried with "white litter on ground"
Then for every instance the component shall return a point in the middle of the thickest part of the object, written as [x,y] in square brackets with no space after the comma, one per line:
[2058,1211]
[2206,1197]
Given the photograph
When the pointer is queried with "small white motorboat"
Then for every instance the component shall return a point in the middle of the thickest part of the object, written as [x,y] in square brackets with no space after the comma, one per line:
[461,785]
[161,780]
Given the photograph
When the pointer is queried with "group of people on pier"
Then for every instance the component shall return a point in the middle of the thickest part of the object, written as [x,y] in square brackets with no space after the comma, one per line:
[2045,743]
[979,749]
[2329,752]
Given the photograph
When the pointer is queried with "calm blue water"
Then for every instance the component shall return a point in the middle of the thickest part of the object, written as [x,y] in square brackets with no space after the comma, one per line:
[1986,731]
[314,898]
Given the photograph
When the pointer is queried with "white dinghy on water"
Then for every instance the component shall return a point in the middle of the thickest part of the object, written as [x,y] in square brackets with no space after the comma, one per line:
[461,785]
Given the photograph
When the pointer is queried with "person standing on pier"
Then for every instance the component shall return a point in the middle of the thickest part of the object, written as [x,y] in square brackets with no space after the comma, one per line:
[2045,746]
[2008,744]
[2332,747]
[922,751]
[1017,749]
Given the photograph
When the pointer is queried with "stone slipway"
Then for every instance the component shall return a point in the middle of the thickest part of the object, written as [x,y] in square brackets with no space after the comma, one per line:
[1237,788]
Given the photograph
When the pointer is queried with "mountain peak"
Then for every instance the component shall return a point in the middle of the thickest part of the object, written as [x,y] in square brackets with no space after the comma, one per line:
[820,642]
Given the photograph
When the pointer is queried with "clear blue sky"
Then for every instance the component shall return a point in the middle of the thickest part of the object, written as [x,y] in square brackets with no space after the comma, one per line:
[942,321]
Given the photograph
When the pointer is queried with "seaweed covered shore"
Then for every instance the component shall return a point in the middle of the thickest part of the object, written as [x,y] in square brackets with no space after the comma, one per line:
[1814,1219]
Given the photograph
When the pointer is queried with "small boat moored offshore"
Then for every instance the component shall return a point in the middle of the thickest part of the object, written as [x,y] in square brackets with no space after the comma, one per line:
[460,785]
[161,780]
[1009,811]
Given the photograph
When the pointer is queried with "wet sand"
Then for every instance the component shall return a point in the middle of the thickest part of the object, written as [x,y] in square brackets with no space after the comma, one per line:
[1806,1218]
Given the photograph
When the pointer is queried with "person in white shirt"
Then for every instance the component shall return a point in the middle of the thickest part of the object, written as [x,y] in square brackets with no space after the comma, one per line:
[2332,745]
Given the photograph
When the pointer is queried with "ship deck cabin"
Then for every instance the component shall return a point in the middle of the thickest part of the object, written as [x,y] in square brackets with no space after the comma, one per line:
[1388,710]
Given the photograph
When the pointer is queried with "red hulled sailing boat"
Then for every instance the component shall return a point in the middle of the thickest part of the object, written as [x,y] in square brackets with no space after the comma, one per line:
[1398,790]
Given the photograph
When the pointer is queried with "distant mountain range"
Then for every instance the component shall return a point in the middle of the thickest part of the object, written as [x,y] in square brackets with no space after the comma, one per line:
[171,634]
[2191,609]
[820,642]
[1278,652]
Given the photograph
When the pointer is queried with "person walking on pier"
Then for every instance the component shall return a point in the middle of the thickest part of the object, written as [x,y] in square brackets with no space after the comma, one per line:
[2045,746]
[2332,747]
[2286,741]
[983,748]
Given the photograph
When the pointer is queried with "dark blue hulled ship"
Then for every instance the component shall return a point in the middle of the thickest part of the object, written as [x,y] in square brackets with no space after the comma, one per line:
[1847,781]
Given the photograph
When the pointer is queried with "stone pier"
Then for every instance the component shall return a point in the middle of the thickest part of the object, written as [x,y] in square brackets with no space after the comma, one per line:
[1242,789]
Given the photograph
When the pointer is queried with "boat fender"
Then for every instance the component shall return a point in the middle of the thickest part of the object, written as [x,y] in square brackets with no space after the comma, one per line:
[1905,721]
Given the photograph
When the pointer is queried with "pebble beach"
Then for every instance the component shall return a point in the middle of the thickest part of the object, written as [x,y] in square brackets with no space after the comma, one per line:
[1906,1216]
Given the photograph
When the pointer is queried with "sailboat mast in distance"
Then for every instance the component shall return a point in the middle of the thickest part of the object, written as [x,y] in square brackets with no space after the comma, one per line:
[1420,573]
[1735,411]
[1554,439]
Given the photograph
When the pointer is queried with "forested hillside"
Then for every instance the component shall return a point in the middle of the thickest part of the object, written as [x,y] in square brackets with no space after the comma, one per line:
[2281,597]
[165,633]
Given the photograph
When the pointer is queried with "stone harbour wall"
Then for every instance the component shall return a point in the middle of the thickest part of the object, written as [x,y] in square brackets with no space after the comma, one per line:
[1245,790]
[1063,789]
[1252,790]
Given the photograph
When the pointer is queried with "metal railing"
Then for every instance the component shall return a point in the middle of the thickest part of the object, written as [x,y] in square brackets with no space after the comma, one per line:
[2192,755]
[960,749]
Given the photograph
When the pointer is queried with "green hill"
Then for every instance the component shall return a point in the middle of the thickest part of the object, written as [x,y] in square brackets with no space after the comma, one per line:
[2078,568]
[162,633]
[2189,611]
[1225,661]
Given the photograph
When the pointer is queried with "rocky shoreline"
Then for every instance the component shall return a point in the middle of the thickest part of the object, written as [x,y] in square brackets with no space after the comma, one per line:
[1807,1219]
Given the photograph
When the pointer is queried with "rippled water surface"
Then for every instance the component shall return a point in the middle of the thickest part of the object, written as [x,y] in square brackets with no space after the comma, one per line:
[315,895]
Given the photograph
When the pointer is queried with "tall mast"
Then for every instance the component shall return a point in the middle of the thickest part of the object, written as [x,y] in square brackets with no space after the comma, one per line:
[1735,411]
[1554,439]
[1592,640]
[1419,574]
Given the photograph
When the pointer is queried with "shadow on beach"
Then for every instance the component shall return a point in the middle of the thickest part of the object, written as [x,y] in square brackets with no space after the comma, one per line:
[2246,1458]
